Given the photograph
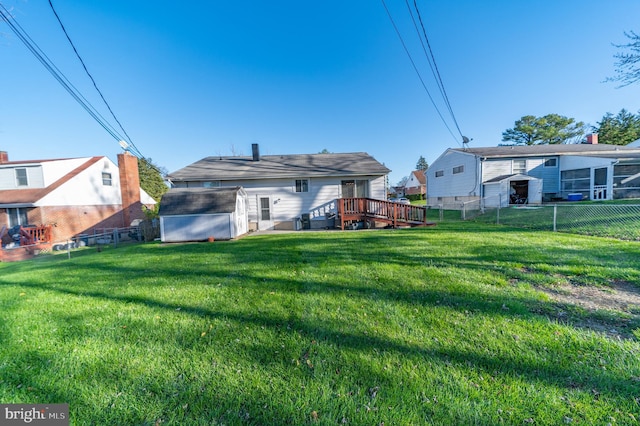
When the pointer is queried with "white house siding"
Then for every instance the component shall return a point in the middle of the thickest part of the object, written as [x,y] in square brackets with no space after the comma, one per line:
[87,189]
[494,168]
[534,167]
[453,187]
[571,162]
[54,170]
[287,205]
[8,177]
[550,176]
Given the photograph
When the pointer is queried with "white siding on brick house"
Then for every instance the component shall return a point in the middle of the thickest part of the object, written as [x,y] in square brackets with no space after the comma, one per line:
[87,188]
[34,177]
[57,169]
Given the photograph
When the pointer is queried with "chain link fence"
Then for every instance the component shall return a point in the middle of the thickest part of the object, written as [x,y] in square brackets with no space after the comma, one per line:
[620,221]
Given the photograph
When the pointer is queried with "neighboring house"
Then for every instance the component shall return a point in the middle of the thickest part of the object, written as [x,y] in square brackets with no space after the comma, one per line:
[416,184]
[289,191]
[534,174]
[198,214]
[73,195]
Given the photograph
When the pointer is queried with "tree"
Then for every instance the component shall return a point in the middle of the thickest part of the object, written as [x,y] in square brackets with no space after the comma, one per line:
[151,178]
[422,164]
[324,151]
[402,182]
[627,66]
[550,129]
[621,129]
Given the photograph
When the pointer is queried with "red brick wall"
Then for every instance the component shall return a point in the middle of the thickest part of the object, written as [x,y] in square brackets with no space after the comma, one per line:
[129,186]
[68,221]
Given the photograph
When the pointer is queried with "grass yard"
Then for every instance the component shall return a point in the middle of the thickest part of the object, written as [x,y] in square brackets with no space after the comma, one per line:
[451,325]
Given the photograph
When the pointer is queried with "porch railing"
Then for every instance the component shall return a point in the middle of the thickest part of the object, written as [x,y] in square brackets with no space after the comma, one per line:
[392,213]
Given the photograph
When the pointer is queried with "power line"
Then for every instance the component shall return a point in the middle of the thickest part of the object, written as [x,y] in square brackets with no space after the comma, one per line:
[418,72]
[437,72]
[64,30]
[55,72]
[32,46]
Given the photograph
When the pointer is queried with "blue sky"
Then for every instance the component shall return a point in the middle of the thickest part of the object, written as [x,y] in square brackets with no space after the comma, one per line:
[189,80]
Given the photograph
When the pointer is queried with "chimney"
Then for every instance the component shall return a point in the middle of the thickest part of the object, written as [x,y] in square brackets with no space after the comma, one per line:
[256,151]
[4,157]
[592,139]
[129,187]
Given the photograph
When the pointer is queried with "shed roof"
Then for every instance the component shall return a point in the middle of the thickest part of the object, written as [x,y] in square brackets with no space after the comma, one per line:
[278,166]
[184,201]
[510,177]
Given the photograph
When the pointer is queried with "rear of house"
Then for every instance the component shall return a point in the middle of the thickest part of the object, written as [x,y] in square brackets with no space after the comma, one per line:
[289,191]
[71,196]
[533,174]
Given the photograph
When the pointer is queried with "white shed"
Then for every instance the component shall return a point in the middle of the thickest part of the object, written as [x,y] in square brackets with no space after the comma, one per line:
[499,190]
[197,214]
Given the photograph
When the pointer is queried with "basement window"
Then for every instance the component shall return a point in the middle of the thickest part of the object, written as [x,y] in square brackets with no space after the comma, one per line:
[302,185]
[21,177]
[106,179]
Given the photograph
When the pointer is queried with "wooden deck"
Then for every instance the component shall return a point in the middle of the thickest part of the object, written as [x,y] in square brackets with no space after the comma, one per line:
[368,210]
[32,241]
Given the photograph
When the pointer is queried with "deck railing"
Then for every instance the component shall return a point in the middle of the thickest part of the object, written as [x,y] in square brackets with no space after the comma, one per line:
[369,209]
[35,235]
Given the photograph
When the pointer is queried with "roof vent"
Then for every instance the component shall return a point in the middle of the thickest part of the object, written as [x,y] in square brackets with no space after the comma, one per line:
[255,150]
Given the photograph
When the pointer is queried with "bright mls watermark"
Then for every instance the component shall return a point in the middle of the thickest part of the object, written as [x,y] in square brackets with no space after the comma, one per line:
[34,414]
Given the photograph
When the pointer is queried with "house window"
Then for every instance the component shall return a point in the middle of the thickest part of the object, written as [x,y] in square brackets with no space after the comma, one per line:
[106,179]
[519,167]
[17,217]
[215,184]
[21,177]
[551,162]
[439,173]
[302,185]
[459,169]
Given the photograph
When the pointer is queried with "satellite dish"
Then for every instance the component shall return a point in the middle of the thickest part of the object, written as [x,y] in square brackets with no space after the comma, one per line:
[465,142]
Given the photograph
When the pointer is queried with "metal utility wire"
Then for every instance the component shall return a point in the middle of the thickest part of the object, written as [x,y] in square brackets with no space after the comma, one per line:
[435,66]
[424,86]
[64,30]
[55,72]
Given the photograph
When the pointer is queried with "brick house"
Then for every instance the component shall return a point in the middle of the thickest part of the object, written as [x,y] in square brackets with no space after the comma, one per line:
[416,184]
[72,195]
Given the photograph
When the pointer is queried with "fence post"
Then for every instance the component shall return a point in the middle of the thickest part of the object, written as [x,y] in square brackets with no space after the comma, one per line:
[555,215]
[116,235]
[441,208]
[464,212]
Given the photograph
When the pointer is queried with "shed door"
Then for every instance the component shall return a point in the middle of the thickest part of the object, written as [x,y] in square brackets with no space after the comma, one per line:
[535,191]
[265,213]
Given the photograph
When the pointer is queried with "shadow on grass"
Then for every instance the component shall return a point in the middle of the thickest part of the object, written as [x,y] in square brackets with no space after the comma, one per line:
[248,264]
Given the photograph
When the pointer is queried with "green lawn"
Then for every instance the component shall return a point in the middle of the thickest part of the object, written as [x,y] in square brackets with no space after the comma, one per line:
[444,325]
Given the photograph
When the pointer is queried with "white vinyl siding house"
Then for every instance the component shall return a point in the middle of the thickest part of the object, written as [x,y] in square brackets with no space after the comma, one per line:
[548,170]
[285,191]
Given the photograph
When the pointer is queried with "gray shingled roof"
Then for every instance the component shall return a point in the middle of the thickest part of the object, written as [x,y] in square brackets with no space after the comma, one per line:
[182,201]
[538,150]
[277,166]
